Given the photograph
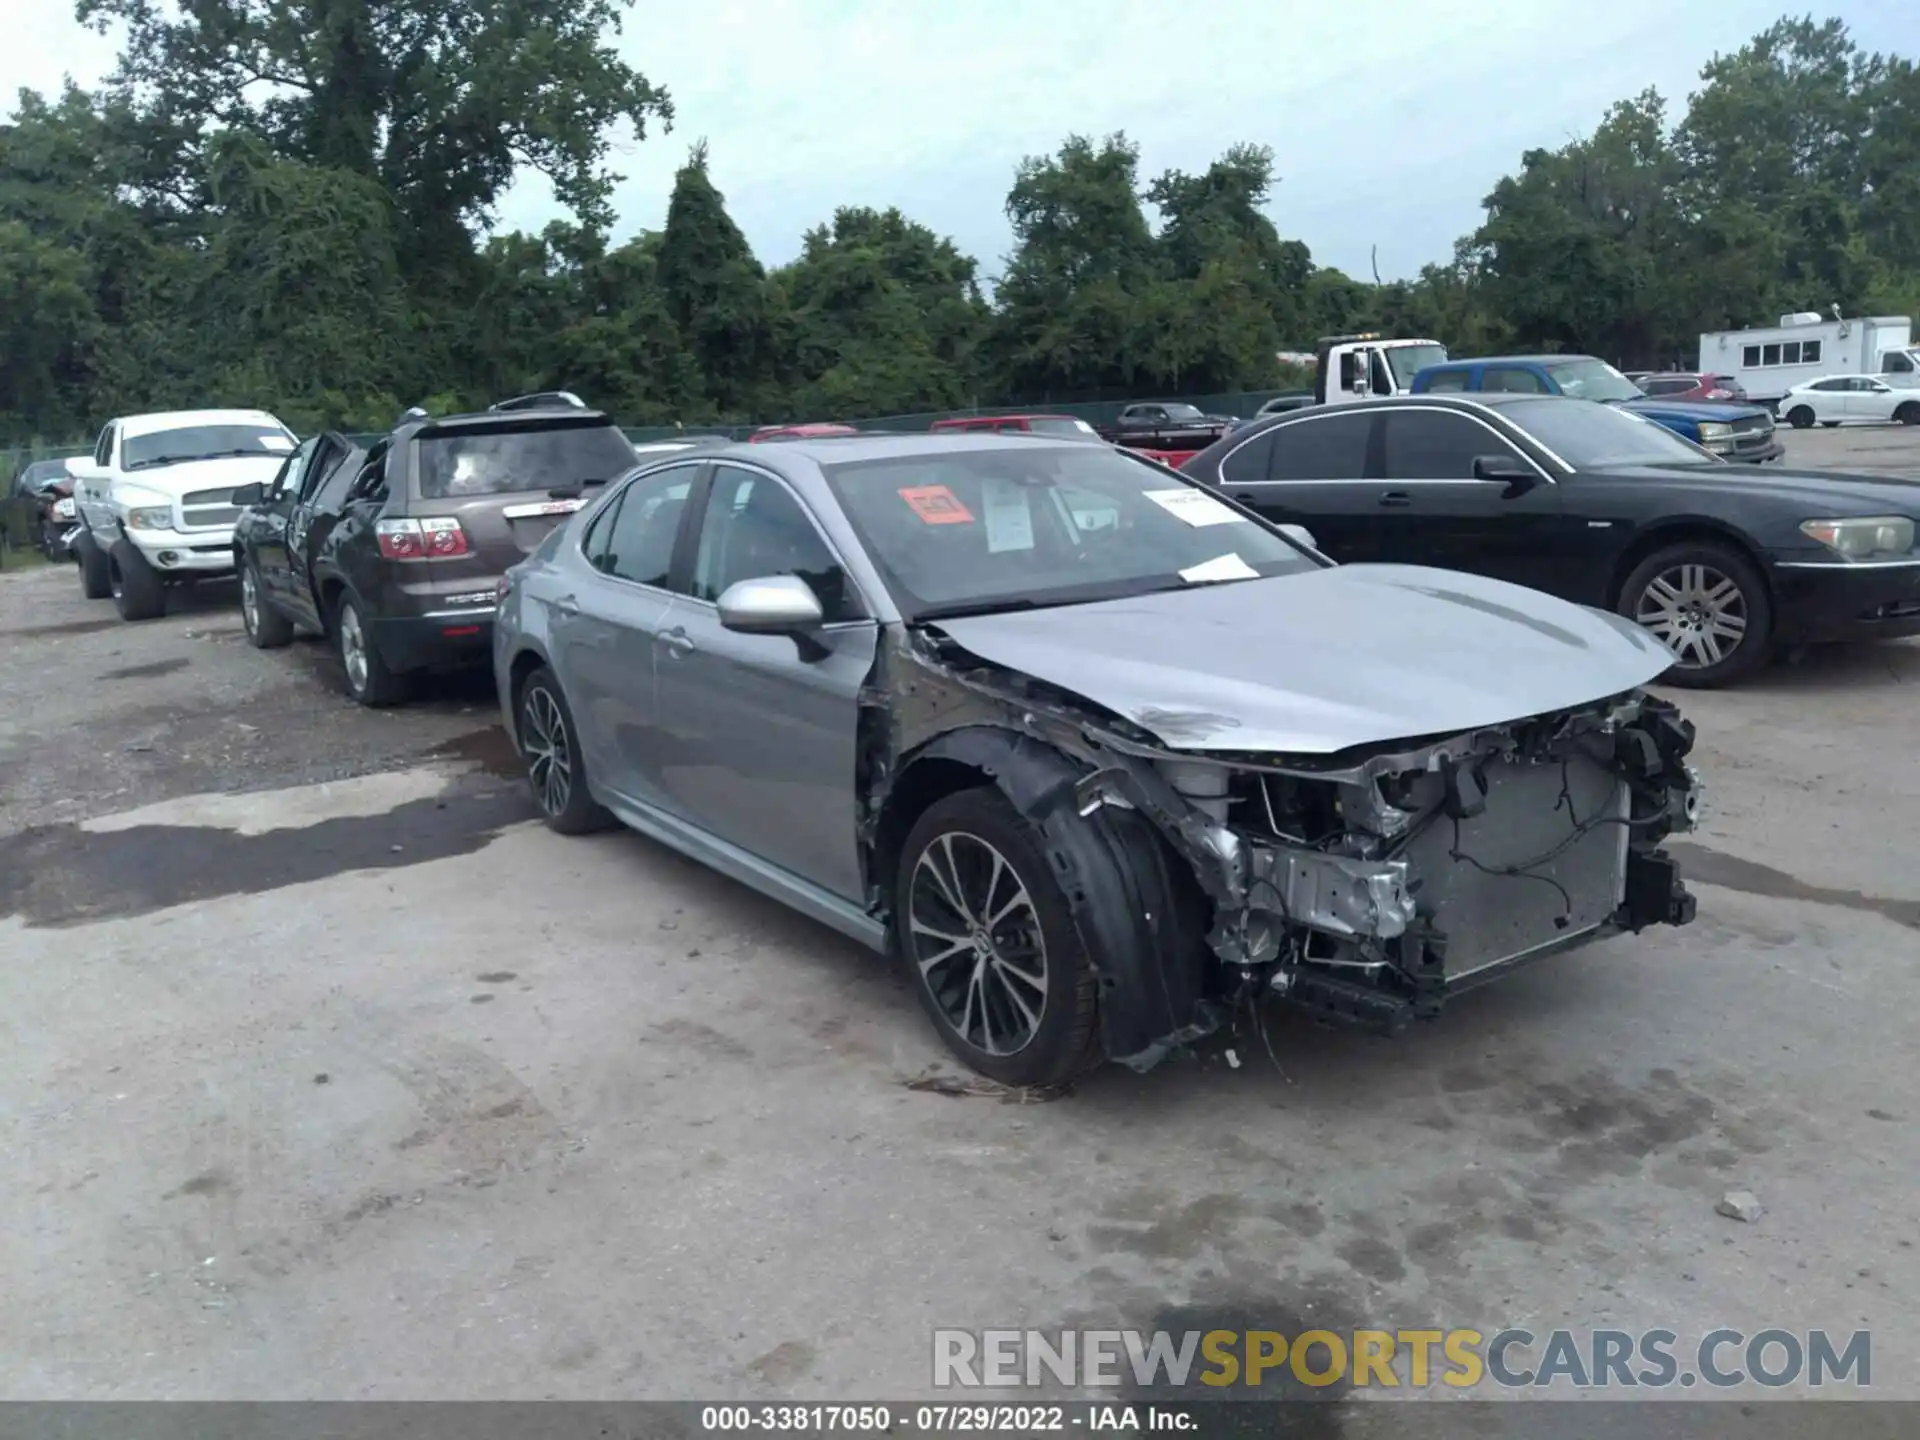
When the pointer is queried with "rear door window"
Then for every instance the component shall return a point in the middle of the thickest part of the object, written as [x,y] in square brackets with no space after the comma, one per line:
[633,538]
[1449,380]
[457,464]
[1325,447]
[1513,381]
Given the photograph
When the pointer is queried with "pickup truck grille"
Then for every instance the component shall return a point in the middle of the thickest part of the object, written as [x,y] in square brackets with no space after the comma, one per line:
[1763,423]
[204,509]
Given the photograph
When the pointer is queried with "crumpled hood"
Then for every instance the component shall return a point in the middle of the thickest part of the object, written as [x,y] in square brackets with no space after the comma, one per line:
[229,473]
[1318,662]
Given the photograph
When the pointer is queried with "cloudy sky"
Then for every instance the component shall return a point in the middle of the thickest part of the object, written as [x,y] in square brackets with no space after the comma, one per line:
[1389,120]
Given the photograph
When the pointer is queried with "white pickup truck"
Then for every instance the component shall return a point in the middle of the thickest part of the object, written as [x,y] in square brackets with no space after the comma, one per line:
[156,500]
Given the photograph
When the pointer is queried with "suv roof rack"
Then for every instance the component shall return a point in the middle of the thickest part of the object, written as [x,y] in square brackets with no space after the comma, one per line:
[541,400]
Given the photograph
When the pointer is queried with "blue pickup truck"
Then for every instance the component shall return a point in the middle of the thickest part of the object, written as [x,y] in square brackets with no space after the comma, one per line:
[1731,431]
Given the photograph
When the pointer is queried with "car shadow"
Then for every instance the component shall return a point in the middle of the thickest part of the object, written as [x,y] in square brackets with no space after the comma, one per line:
[1853,666]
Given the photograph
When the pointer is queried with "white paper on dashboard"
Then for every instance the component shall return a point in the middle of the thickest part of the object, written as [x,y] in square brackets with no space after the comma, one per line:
[1009,521]
[1222,567]
[276,442]
[1196,507]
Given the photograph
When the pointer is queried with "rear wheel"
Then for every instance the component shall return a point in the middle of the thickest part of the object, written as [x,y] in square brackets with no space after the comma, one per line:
[96,576]
[368,679]
[1908,413]
[555,770]
[138,593]
[990,944]
[267,628]
[1708,605]
[1801,417]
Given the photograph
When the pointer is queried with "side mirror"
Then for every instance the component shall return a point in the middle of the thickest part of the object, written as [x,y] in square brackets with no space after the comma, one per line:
[1300,535]
[775,605]
[249,494]
[1509,470]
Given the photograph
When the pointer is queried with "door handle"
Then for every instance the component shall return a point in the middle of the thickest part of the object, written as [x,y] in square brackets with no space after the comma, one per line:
[676,640]
[1396,499]
[1247,497]
[568,605]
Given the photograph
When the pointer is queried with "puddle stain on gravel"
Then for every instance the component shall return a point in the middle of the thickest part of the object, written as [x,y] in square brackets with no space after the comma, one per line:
[489,749]
[60,875]
[70,627]
[1729,872]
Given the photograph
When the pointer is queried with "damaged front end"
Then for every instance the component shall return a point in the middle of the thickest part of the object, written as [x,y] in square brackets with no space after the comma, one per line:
[1369,888]
[1364,886]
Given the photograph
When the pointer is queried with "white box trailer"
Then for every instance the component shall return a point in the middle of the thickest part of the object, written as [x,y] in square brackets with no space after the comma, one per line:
[1803,347]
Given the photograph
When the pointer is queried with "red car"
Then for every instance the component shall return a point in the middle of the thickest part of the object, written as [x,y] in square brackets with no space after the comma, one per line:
[813,431]
[1065,426]
[1690,385]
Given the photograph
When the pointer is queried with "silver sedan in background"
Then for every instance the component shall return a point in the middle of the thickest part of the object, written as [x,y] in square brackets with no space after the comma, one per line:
[1098,754]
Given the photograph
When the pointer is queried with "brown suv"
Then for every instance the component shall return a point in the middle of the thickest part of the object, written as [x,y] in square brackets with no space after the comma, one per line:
[394,550]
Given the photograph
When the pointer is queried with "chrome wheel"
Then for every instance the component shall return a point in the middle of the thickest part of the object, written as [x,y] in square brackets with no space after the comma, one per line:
[249,600]
[353,648]
[1699,611]
[976,937]
[543,738]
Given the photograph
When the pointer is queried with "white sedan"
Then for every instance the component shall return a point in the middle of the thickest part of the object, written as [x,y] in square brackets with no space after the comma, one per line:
[1849,397]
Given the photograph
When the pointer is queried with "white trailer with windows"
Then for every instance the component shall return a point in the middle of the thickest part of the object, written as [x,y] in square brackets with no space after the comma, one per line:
[1804,347]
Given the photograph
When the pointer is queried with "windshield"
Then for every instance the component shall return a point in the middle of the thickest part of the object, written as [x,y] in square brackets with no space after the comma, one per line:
[1593,380]
[1407,361]
[1589,436]
[1049,425]
[1003,529]
[1184,412]
[505,462]
[202,442]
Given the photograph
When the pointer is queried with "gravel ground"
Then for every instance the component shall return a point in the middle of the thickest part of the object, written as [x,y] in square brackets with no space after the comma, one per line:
[325,1073]
[96,714]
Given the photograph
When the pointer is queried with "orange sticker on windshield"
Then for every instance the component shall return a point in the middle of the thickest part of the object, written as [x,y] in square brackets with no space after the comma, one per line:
[937,505]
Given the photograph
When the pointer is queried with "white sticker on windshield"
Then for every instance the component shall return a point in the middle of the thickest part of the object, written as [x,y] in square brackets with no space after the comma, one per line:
[1009,521]
[276,442]
[1196,507]
[1222,567]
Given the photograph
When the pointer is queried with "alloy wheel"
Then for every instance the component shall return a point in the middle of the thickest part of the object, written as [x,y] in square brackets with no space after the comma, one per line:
[976,937]
[249,600]
[1698,610]
[543,738]
[353,648]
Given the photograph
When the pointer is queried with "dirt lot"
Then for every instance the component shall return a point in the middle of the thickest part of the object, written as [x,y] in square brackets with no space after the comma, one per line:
[325,1073]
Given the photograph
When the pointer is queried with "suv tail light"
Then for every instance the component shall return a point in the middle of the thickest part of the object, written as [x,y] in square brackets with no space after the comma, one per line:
[438,537]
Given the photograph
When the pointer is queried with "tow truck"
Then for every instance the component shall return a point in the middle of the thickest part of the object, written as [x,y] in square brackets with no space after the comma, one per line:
[1363,366]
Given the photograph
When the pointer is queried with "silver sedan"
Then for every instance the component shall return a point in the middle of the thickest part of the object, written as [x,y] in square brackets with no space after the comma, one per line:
[1098,754]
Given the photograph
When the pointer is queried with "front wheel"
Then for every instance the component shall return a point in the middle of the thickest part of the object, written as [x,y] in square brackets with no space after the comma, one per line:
[267,628]
[1801,417]
[1707,604]
[990,944]
[138,592]
[555,770]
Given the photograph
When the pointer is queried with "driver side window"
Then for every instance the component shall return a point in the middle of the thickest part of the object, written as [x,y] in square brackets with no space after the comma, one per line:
[286,484]
[754,528]
[103,447]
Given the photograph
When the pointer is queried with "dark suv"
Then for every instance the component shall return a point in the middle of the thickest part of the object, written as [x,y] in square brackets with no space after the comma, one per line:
[394,550]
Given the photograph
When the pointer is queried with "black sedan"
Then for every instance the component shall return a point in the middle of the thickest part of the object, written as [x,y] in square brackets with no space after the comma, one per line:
[1722,562]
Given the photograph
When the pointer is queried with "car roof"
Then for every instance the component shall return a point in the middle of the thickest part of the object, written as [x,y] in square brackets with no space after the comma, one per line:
[1510,360]
[161,420]
[481,422]
[874,445]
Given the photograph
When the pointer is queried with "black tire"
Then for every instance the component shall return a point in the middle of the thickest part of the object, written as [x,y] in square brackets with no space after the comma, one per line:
[1801,417]
[1908,413]
[267,628]
[957,838]
[138,593]
[364,671]
[1699,598]
[556,771]
[96,576]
